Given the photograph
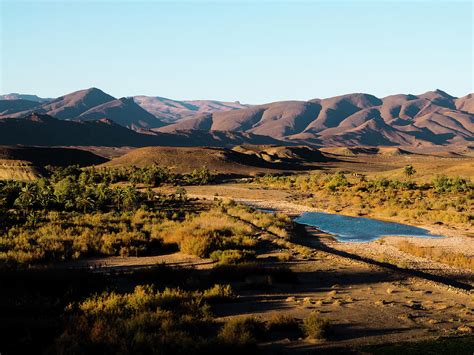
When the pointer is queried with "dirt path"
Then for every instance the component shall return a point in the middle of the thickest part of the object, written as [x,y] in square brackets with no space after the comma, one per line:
[116,263]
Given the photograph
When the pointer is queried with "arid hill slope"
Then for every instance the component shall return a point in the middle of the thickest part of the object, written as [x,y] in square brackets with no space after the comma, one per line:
[170,111]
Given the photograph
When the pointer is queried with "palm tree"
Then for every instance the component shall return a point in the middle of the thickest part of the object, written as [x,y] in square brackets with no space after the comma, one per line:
[27,197]
[103,195]
[118,197]
[85,203]
[131,197]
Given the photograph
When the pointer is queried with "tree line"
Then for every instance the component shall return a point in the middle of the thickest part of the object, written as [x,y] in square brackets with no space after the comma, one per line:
[152,175]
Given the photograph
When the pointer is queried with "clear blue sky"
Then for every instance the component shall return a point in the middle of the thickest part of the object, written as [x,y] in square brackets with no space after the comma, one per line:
[252,51]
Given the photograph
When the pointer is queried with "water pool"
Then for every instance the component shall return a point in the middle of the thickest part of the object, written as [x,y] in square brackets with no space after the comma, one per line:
[359,229]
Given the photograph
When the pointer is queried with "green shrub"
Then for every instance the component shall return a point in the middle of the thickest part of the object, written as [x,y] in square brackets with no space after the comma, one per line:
[232,256]
[219,293]
[197,245]
[207,232]
[315,327]
[338,180]
[241,331]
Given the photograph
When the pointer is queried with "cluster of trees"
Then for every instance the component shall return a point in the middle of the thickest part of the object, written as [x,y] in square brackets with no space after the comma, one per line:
[72,190]
[152,175]
[442,183]
[445,199]
[71,194]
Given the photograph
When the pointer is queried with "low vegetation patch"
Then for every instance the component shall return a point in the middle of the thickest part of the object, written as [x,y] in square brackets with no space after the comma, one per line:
[210,232]
[242,332]
[437,254]
[59,236]
[232,256]
[315,327]
[144,321]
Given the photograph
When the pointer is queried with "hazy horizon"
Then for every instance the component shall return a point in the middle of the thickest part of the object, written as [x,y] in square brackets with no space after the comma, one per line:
[252,53]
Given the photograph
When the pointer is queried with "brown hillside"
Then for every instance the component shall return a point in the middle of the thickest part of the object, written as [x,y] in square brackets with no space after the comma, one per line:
[70,105]
[124,112]
[183,160]
[241,160]
[466,103]
[170,111]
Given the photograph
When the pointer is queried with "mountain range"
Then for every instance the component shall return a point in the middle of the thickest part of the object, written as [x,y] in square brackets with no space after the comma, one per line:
[354,119]
[432,118]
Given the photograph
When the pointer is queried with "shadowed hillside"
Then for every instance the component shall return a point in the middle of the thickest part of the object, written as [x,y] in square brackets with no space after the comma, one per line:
[44,130]
[8,107]
[27,163]
[184,160]
[42,156]
[124,112]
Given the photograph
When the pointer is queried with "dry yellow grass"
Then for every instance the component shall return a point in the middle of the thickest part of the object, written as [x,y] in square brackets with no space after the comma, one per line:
[437,254]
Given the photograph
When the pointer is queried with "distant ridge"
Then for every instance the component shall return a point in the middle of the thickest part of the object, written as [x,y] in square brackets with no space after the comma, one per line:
[123,111]
[16,96]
